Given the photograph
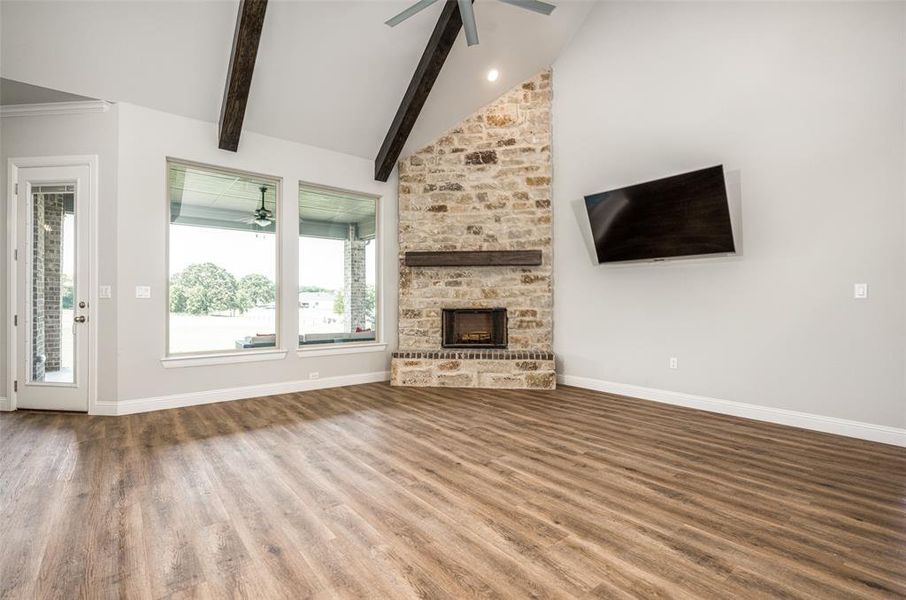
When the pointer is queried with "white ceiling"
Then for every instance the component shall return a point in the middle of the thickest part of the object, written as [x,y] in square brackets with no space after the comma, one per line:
[329,73]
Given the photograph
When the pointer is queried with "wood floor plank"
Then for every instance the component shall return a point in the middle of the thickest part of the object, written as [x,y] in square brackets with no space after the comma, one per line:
[378,492]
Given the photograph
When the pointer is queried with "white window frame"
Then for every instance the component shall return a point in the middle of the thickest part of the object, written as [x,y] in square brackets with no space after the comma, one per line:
[226,356]
[377,344]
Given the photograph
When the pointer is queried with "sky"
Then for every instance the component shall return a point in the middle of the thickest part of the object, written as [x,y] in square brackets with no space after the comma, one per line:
[243,252]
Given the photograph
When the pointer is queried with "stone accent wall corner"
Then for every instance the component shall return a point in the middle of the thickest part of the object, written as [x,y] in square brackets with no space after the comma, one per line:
[483,185]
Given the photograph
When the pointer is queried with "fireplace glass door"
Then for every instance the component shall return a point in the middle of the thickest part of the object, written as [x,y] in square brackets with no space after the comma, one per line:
[474,328]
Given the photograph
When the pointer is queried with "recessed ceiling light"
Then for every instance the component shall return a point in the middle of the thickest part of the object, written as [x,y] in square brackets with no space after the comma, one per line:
[493,74]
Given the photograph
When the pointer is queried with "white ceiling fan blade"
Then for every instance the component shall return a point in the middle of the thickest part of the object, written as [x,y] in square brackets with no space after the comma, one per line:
[468,21]
[533,5]
[415,8]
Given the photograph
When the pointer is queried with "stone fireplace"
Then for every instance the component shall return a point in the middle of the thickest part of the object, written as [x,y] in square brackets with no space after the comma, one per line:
[475,303]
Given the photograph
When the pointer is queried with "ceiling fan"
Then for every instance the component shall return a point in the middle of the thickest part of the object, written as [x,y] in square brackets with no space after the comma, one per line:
[262,217]
[468,15]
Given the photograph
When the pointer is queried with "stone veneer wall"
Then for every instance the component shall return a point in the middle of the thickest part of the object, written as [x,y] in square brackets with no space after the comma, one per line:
[484,185]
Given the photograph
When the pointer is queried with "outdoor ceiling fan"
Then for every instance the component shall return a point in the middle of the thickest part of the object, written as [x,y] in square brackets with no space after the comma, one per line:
[468,15]
[262,217]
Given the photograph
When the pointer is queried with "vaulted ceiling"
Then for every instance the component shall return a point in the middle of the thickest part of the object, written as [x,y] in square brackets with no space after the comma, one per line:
[329,73]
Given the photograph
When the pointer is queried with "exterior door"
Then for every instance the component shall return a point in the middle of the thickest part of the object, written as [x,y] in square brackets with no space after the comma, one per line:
[52,270]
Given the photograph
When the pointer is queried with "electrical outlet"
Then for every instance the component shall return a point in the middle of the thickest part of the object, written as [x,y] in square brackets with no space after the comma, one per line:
[105,291]
[143,291]
[313,375]
[674,363]
[860,291]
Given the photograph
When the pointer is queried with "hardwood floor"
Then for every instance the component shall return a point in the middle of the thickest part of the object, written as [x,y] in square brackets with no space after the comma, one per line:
[379,492]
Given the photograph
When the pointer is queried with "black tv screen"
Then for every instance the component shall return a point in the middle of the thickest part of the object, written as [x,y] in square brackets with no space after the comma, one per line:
[683,215]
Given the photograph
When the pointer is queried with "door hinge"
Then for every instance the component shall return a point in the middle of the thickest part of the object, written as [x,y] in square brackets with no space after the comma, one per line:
[15,320]
[16,254]
[15,386]
[16,193]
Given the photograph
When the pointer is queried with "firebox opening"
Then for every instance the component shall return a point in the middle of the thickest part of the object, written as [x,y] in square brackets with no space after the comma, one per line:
[474,328]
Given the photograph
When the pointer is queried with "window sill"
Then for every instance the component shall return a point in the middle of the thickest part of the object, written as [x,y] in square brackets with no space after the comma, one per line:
[201,360]
[348,348]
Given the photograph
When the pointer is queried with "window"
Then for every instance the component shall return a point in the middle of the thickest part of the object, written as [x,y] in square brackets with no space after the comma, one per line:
[223,260]
[337,269]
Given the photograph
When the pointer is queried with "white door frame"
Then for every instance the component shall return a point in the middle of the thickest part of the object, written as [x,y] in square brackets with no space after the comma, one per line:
[91,161]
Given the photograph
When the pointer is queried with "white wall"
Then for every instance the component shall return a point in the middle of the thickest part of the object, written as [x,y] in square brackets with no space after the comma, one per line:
[133,143]
[146,139]
[94,133]
[804,103]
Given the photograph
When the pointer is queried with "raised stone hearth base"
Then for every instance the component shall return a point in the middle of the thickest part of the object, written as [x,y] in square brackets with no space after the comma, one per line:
[518,369]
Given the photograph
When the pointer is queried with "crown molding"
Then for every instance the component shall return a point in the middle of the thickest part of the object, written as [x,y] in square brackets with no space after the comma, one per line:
[54,108]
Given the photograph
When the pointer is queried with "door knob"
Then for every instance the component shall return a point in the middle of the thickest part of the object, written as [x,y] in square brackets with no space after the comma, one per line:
[80,319]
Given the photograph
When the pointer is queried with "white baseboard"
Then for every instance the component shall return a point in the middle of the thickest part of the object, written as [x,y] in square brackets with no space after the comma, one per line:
[139,405]
[4,404]
[855,429]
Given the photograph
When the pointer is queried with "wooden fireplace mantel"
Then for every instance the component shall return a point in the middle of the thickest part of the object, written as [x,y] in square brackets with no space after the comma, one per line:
[474,258]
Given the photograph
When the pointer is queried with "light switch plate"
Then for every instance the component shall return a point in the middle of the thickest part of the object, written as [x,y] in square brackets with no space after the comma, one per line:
[143,291]
[860,291]
[105,292]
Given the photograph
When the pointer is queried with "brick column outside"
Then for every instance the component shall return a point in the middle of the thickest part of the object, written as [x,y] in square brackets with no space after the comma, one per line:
[354,284]
[53,263]
[37,290]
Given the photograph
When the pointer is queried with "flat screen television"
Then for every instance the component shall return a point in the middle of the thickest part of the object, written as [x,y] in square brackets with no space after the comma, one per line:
[680,216]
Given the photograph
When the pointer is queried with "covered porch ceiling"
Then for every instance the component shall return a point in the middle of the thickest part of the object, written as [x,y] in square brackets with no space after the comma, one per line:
[210,198]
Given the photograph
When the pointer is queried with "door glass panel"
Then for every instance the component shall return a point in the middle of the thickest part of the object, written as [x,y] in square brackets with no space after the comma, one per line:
[51,271]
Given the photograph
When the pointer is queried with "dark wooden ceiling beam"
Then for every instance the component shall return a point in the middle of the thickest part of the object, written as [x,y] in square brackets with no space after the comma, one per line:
[439,45]
[242,64]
